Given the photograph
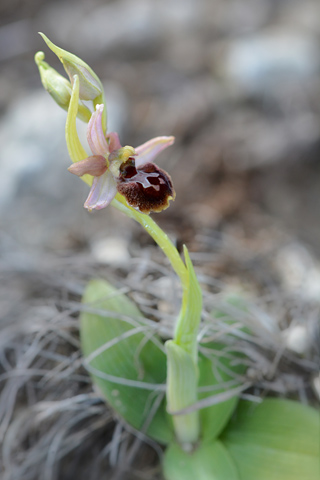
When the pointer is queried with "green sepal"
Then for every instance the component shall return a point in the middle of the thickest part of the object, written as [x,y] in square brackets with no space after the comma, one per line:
[133,359]
[210,461]
[275,440]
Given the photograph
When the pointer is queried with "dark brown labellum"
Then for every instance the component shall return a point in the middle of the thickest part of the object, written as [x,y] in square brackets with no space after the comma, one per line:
[147,188]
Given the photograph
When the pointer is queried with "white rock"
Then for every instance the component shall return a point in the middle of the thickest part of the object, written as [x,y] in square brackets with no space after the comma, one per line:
[297,339]
[111,251]
[32,137]
[299,271]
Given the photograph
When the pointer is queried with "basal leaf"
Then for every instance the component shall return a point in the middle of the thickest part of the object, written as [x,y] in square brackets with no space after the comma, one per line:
[210,461]
[275,440]
[219,371]
[215,417]
[119,353]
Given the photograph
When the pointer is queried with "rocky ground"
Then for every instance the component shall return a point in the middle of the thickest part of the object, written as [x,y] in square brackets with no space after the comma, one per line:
[238,84]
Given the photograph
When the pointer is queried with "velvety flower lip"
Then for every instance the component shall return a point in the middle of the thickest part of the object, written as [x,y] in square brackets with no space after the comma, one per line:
[148,190]
[127,170]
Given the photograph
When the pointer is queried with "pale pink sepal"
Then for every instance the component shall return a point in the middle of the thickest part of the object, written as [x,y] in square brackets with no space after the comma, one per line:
[114,142]
[95,165]
[95,136]
[148,151]
[102,192]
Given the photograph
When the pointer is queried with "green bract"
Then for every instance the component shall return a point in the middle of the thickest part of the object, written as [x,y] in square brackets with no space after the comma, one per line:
[182,382]
[187,325]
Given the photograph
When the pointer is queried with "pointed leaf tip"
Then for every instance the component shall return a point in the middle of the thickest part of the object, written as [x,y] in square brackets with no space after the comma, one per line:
[188,323]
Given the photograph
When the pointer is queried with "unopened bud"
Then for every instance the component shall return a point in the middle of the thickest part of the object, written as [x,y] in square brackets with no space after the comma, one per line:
[90,85]
[55,84]
[58,87]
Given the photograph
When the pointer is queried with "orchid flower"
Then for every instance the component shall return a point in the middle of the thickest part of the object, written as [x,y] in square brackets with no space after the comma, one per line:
[127,170]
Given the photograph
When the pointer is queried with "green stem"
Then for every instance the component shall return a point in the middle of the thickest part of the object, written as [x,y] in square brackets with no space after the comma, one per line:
[159,237]
[182,354]
[182,351]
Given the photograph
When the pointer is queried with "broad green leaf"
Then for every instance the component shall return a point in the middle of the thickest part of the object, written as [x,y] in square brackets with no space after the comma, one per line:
[210,461]
[214,418]
[275,440]
[130,357]
[218,368]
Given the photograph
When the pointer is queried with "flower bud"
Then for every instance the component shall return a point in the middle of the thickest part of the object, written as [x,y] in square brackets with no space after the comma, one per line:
[90,85]
[58,87]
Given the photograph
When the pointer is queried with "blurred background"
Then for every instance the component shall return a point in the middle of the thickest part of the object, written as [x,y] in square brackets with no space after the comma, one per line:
[237,82]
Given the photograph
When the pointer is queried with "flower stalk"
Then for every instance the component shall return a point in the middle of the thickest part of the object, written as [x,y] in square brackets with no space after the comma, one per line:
[126,177]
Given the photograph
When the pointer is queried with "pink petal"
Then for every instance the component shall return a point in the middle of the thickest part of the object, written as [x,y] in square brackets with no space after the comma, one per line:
[114,142]
[95,165]
[96,139]
[102,192]
[148,151]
